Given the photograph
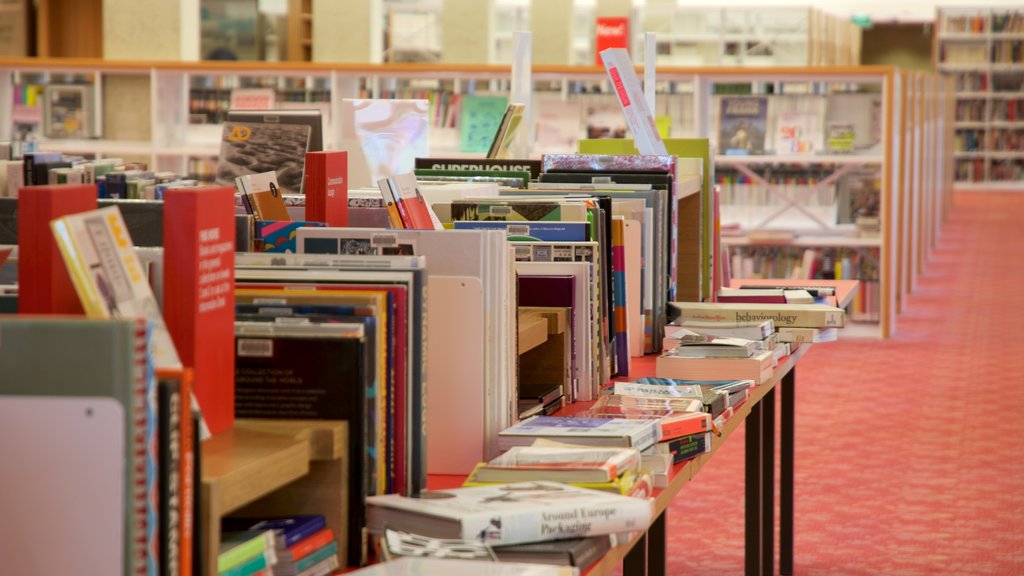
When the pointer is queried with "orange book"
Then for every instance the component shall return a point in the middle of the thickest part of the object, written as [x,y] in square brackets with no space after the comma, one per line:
[305,547]
[265,196]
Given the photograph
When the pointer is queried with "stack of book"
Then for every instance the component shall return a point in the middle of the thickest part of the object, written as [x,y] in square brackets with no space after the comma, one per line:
[615,470]
[300,546]
[605,432]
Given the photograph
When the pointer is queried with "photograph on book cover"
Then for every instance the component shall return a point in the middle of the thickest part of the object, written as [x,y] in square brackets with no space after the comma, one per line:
[742,125]
[250,148]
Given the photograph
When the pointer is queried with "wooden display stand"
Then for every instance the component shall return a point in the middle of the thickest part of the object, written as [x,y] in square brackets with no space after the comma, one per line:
[274,468]
[546,356]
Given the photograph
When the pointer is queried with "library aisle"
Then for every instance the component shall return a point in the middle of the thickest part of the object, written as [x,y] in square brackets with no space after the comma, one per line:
[908,456]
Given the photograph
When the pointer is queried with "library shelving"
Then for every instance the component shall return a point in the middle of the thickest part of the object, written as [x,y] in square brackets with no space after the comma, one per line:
[982,49]
[899,165]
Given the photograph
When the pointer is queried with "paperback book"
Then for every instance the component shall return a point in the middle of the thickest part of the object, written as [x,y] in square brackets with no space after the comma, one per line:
[590,431]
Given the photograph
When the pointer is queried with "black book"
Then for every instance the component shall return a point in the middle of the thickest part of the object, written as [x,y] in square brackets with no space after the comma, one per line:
[715,401]
[41,171]
[539,392]
[169,413]
[687,447]
[199,552]
[579,552]
[326,378]
[480,164]
[31,159]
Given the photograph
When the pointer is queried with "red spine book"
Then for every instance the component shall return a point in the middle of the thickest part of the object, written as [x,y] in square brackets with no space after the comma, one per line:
[327,187]
[199,293]
[45,286]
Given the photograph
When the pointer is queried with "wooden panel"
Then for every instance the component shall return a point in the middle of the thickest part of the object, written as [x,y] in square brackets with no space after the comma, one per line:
[70,28]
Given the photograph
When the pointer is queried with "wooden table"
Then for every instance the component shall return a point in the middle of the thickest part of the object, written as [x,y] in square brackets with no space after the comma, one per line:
[645,553]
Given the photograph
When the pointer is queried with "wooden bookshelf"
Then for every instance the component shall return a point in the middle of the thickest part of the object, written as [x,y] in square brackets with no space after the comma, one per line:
[982,50]
[270,468]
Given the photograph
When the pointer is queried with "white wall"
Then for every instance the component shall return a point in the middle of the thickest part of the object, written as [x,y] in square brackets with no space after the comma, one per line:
[878,10]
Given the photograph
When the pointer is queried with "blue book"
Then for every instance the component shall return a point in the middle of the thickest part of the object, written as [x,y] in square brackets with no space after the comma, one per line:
[532,231]
[289,529]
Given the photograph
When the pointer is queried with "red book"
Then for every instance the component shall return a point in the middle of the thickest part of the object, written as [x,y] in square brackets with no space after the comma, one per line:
[44,284]
[610,32]
[327,187]
[199,293]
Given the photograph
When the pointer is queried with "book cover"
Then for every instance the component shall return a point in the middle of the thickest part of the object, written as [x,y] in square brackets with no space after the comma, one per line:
[263,195]
[502,210]
[601,431]
[686,447]
[383,137]
[704,346]
[319,556]
[241,548]
[797,133]
[45,284]
[254,148]
[417,214]
[676,416]
[511,513]
[506,134]
[620,70]
[169,412]
[280,236]
[759,367]
[758,331]
[742,125]
[479,121]
[326,187]
[579,552]
[289,530]
[108,276]
[199,293]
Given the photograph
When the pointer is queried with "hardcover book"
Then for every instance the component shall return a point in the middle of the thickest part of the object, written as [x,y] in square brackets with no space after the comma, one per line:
[326,187]
[263,195]
[783,315]
[510,513]
[589,431]
[480,119]
[758,331]
[254,148]
[703,346]
[759,367]
[742,125]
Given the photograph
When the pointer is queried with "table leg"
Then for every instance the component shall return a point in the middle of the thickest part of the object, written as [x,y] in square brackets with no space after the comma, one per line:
[768,482]
[786,453]
[635,562]
[656,547]
[752,513]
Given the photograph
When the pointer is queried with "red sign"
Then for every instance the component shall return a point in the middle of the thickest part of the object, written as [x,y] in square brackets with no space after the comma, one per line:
[610,32]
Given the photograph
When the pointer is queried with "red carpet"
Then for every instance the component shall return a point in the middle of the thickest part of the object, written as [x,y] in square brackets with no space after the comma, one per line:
[910,452]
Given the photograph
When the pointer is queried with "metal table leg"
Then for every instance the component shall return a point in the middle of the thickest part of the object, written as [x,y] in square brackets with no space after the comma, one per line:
[786,453]
[656,547]
[768,482]
[635,562]
[752,513]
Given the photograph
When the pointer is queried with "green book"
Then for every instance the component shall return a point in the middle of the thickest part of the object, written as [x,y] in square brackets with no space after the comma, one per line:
[479,122]
[248,567]
[242,547]
[91,358]
[469,175]
[316,557]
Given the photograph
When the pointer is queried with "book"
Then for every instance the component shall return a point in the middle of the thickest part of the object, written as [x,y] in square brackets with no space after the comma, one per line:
[579,552]
[533,231]
[816,335]
[841,139]
[815,291]
[472,165]
[238,548]
[676,416]
[505,136]
[107,274]
[558,464]
[320,556]
[783,315]
[288,530]
[263,195]
[742,125]
[326,187]
[510,513]
[704,346]
[685,448]
[480,118]
[322,568]
[273,236]
[759,367]
[169,417]
[797,133]
[765,296]
[416,213]
[590,431]
[758,331]
[421,566]
[254,148]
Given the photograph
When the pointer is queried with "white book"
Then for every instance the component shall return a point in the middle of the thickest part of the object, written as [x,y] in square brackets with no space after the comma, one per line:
[758,331]
[796,335]
[510,513]
[424,566]
[590,431]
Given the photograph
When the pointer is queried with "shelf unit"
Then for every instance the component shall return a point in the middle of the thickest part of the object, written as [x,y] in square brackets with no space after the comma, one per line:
[911,112]
[747,36]
[982,49]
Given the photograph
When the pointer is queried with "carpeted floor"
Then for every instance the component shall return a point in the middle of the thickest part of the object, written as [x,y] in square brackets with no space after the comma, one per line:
[910,452]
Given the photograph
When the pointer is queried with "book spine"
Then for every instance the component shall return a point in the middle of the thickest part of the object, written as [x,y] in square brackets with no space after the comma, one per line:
[646,436]
[783,315]
[303,532]
[169,435]
[687,447]
[136,478]
[685,427]
[187,510]
[317,557]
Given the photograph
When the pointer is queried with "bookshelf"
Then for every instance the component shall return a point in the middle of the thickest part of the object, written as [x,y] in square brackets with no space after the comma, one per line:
[750,36]
[902,137]
[982,50]
[273,467]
